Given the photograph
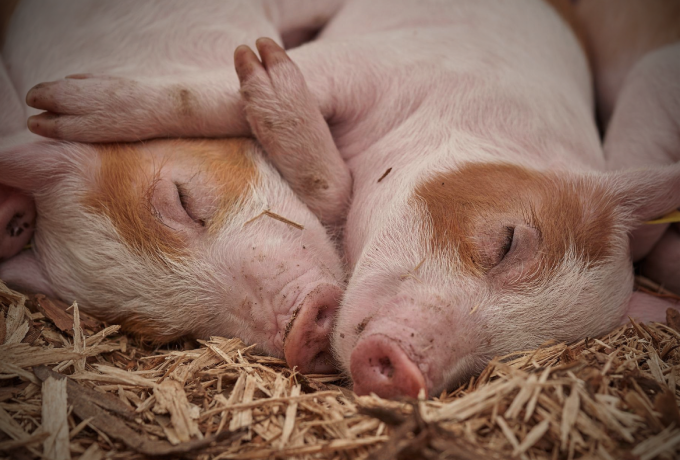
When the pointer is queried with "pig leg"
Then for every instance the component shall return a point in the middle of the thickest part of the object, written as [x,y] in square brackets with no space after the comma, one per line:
[102,108]
[285,117]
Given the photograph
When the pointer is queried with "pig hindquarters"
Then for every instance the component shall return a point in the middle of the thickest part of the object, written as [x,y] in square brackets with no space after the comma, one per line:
[168,237]
[480,221]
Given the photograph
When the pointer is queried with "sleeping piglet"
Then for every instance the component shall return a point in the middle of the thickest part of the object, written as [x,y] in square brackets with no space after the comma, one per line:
[173,237]
[482,220]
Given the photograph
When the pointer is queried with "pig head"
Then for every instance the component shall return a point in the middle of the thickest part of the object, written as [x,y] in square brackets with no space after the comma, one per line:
[490,258]
[177,237]
[459,256]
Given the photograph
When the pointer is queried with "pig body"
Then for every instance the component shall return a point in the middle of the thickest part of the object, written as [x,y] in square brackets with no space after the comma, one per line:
[173,237]
[635,50]
[480,221]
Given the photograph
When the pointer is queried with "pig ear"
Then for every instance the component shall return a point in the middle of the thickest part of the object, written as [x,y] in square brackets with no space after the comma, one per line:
[25,272]
[648,194]
[29,162]
[643,196]
[645,308]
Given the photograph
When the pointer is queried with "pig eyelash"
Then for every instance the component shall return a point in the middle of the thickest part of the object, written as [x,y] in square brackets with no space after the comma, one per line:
[507,242]
[184,201]
[183,198]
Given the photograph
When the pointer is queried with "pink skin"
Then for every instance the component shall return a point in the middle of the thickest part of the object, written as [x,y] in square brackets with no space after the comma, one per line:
[431,89]
[252,277]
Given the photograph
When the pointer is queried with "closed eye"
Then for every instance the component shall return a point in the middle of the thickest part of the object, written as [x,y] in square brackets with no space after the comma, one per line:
[507,243]
[184,201]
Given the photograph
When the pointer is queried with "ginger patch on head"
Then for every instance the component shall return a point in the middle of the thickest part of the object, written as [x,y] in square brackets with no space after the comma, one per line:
[120,193]
[464,206]
[227,164]
[126,178]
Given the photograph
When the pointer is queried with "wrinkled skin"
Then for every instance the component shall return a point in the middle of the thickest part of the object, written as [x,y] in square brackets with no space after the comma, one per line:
[481,220]
[170,237]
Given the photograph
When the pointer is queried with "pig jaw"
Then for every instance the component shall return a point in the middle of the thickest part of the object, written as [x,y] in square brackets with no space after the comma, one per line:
[570,278]
[399,331]
[448,327]
[278,294]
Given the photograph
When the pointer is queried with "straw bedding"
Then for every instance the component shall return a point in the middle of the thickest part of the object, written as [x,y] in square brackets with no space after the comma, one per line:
[71,387]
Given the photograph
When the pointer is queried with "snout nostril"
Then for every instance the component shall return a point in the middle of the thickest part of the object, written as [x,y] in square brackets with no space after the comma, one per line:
[324,316]
[15,226]
[379,365]
[385,367]
[323,358]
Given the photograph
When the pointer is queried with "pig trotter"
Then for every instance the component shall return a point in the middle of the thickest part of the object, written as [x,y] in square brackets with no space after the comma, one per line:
[93,108]
[286,119]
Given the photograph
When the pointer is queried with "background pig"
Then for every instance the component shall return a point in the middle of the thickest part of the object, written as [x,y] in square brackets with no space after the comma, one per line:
[635,48]
[480,221]
[166,237]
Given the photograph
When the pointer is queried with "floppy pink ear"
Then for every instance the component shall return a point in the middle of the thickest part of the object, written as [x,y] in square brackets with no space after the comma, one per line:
[649,193]
[25,272]
[645,308]
[644,195]
[29,162]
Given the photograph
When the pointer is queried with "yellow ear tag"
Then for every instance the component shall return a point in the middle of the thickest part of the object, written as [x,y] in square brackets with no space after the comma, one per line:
[673,216]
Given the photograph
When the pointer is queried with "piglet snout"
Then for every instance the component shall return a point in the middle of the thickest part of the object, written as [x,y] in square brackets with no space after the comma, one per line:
[307,342]
[17,221]
[379,365]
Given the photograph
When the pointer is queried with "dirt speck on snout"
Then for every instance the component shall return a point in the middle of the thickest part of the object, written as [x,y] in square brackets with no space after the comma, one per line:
[289,326]
[362,325]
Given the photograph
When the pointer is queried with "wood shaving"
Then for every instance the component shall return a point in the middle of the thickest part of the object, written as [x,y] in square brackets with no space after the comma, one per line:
[86,390]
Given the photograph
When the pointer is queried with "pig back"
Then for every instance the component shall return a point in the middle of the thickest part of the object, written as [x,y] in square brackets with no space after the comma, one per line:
[126,38]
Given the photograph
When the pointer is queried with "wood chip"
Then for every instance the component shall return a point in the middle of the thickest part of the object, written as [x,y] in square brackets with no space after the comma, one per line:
[54,410]
[607,397]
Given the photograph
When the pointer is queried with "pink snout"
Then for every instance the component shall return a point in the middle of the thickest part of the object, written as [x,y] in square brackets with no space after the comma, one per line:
[378,365]
[17,221]
[307,343]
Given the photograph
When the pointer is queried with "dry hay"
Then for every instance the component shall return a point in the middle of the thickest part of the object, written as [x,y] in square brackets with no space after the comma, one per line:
[613,398]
